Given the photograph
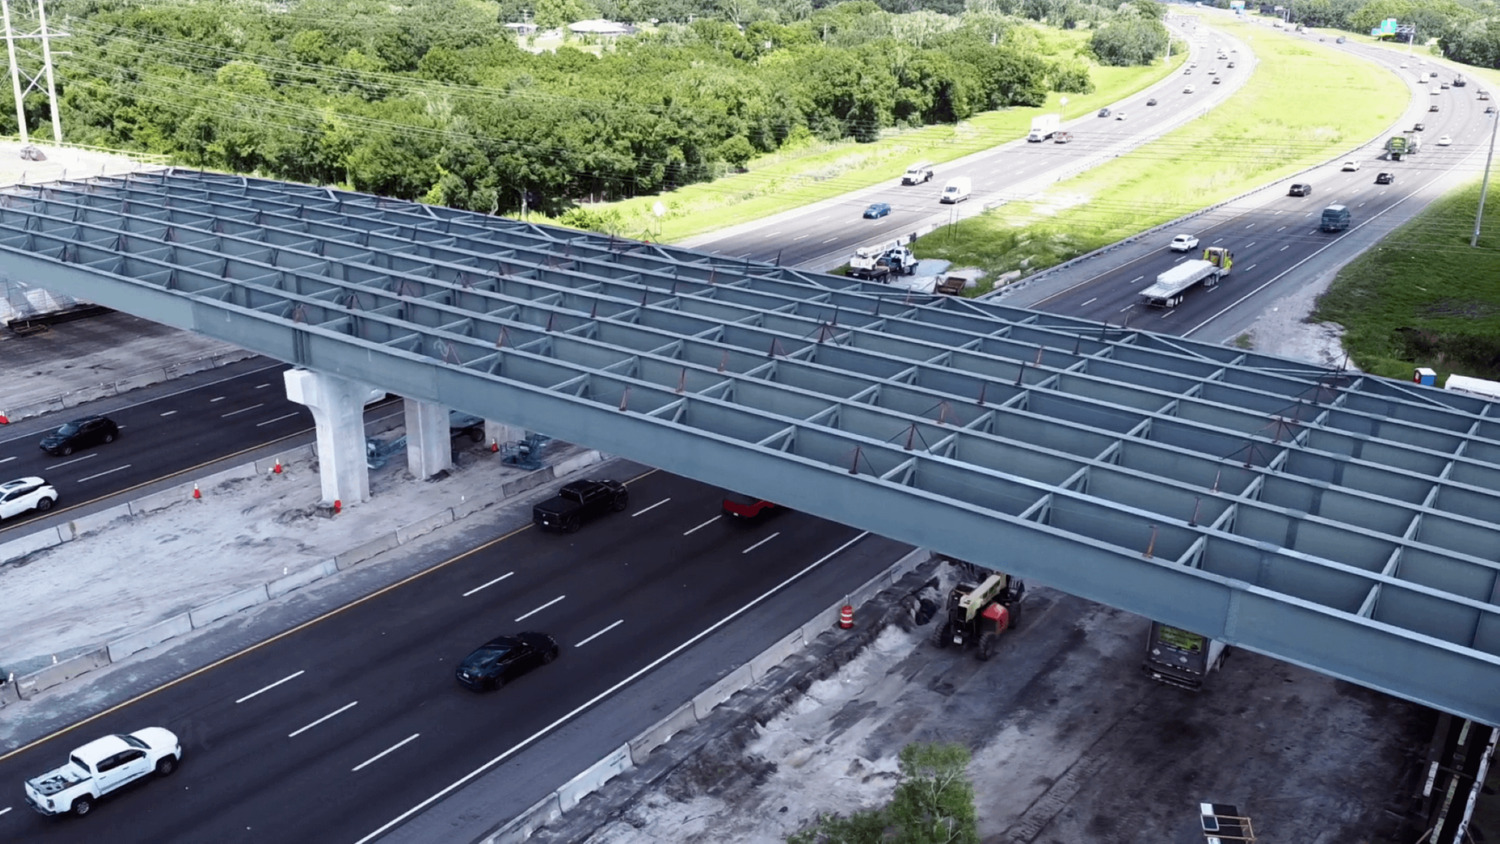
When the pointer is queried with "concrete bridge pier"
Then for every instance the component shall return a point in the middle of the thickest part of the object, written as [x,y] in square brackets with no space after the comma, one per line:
[337,406]
[429,445]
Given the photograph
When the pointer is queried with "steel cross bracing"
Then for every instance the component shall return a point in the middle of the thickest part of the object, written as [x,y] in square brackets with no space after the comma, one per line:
[1335,520]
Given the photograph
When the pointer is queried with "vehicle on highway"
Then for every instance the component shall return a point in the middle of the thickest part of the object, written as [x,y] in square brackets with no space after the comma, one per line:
[1459,82]
[1444,86]
[1444,141]
[505,658]
[102,766]
[1341,39]
[1384,178]
[1433,74]
[957,190]
[1418,127]
[1350,165]
[746,507]
[1217,80]
[1489,109]
[1151,102]
[1299,189]
[1119,115]
[578,502]
[917,174]
[1484,95]
[877,210]
[1062,137]
[1432,107]
[1231,64]
[1173,285]
[1043,126]
[1104,112]
[24,495]
[1335,219]
[1183,243]
[1188,90]
[80,433]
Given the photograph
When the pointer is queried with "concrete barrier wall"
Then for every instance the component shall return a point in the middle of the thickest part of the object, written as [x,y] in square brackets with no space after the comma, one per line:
[576,462]
[265,467]
[820,623]
[91,522]
[63,401]
[162,500]
[354,556]
[469,506]
[520,828]
[150,636]
[61,672]
[297,579]
[9,694]
[531,480]
[661,732]
[723,690]
[227,605]
[431,523]
[31,543]
[591,780]
[774,655]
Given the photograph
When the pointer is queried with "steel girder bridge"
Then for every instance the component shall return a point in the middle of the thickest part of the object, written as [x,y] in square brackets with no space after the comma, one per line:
[1324,517]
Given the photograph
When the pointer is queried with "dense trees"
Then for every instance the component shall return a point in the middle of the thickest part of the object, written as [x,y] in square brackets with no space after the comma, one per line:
[436,100]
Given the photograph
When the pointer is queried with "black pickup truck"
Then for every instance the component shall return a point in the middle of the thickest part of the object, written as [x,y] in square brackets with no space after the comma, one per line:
[579,501]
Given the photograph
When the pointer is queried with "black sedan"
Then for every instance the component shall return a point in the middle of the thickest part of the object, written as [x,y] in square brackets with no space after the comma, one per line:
[877,210]
[501,660]
[80,433]
[1385,178]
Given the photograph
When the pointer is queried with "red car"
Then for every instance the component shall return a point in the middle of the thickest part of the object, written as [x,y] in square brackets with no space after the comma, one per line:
[746,507]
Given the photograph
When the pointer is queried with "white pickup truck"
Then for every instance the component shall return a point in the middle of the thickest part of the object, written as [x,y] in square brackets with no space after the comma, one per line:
[101,766]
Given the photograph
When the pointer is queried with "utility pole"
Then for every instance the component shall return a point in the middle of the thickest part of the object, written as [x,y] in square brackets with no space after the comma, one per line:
[33,80]
[1479,215]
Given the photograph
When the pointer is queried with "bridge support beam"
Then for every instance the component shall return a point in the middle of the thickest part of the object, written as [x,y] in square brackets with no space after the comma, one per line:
[337,406]
[429,446]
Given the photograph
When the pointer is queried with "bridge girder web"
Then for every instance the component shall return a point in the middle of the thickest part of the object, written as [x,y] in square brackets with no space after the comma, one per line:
[1338,521]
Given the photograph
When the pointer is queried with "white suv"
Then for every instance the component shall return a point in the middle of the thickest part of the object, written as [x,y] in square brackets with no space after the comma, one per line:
[1183,243]
[23,494]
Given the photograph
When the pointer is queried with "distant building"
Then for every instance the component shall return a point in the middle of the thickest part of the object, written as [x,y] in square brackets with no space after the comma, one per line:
[521,28]
[601,27]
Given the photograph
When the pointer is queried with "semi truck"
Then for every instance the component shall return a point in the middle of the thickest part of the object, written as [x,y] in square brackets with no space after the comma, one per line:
[1171,286]
[1043,127]
[1181,658]
[1395,147]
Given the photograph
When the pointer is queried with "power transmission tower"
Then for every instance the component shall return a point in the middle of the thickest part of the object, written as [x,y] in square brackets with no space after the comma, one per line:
[33,79]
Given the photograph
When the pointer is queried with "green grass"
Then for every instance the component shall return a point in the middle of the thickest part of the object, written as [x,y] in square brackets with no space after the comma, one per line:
[811,170]
[1423,297]
[1302,105]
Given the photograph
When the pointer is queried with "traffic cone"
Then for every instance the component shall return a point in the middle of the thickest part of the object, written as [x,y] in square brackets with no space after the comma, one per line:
[276,470]
[4,420]
[846,617]
[494,446]
[196,493]
[338,505]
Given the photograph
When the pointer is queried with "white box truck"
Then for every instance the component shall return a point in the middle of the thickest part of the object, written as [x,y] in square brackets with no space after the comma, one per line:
[1043,127]
[957,190]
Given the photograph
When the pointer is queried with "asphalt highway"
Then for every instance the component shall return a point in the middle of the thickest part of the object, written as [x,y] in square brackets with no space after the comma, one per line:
[1273,236]
[334,729]
[828,233]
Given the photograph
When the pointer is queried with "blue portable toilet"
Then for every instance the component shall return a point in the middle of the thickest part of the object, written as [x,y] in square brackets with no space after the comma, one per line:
[1423,375]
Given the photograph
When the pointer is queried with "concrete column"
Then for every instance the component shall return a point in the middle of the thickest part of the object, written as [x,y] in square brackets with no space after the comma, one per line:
[428,447]
[499,432]
[337,406]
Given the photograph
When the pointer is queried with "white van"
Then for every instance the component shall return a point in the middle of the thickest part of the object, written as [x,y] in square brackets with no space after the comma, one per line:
[957,190]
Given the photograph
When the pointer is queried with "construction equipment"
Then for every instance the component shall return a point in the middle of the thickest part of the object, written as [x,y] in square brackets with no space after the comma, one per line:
[979,613]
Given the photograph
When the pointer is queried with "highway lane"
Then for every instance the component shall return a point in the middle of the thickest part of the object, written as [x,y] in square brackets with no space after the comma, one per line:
[263,764]
[1270,237]
[835,228]
[160,436]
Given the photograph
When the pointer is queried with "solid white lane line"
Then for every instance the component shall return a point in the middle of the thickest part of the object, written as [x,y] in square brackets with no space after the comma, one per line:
[169,413]
[106,472]
[3,811]
[488,585]
[344,708]
[277,419]
[704,525]
[600,633]
[241,410]
[649,509]
[398,744]
[272,686]
[532,739]
[542,607]
[78,459]
[762,542]
[6,459]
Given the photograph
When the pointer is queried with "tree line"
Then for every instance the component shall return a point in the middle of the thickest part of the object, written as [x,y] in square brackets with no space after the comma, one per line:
[1466,31]
[436,100]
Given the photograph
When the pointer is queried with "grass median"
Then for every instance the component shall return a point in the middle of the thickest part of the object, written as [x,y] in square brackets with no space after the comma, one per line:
[1303,104]
[1423,296]
[811,171]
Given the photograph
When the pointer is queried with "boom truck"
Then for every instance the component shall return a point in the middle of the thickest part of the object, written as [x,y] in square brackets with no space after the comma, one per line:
[979,612]
[1172,285]
[878,263]
[1043,127]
